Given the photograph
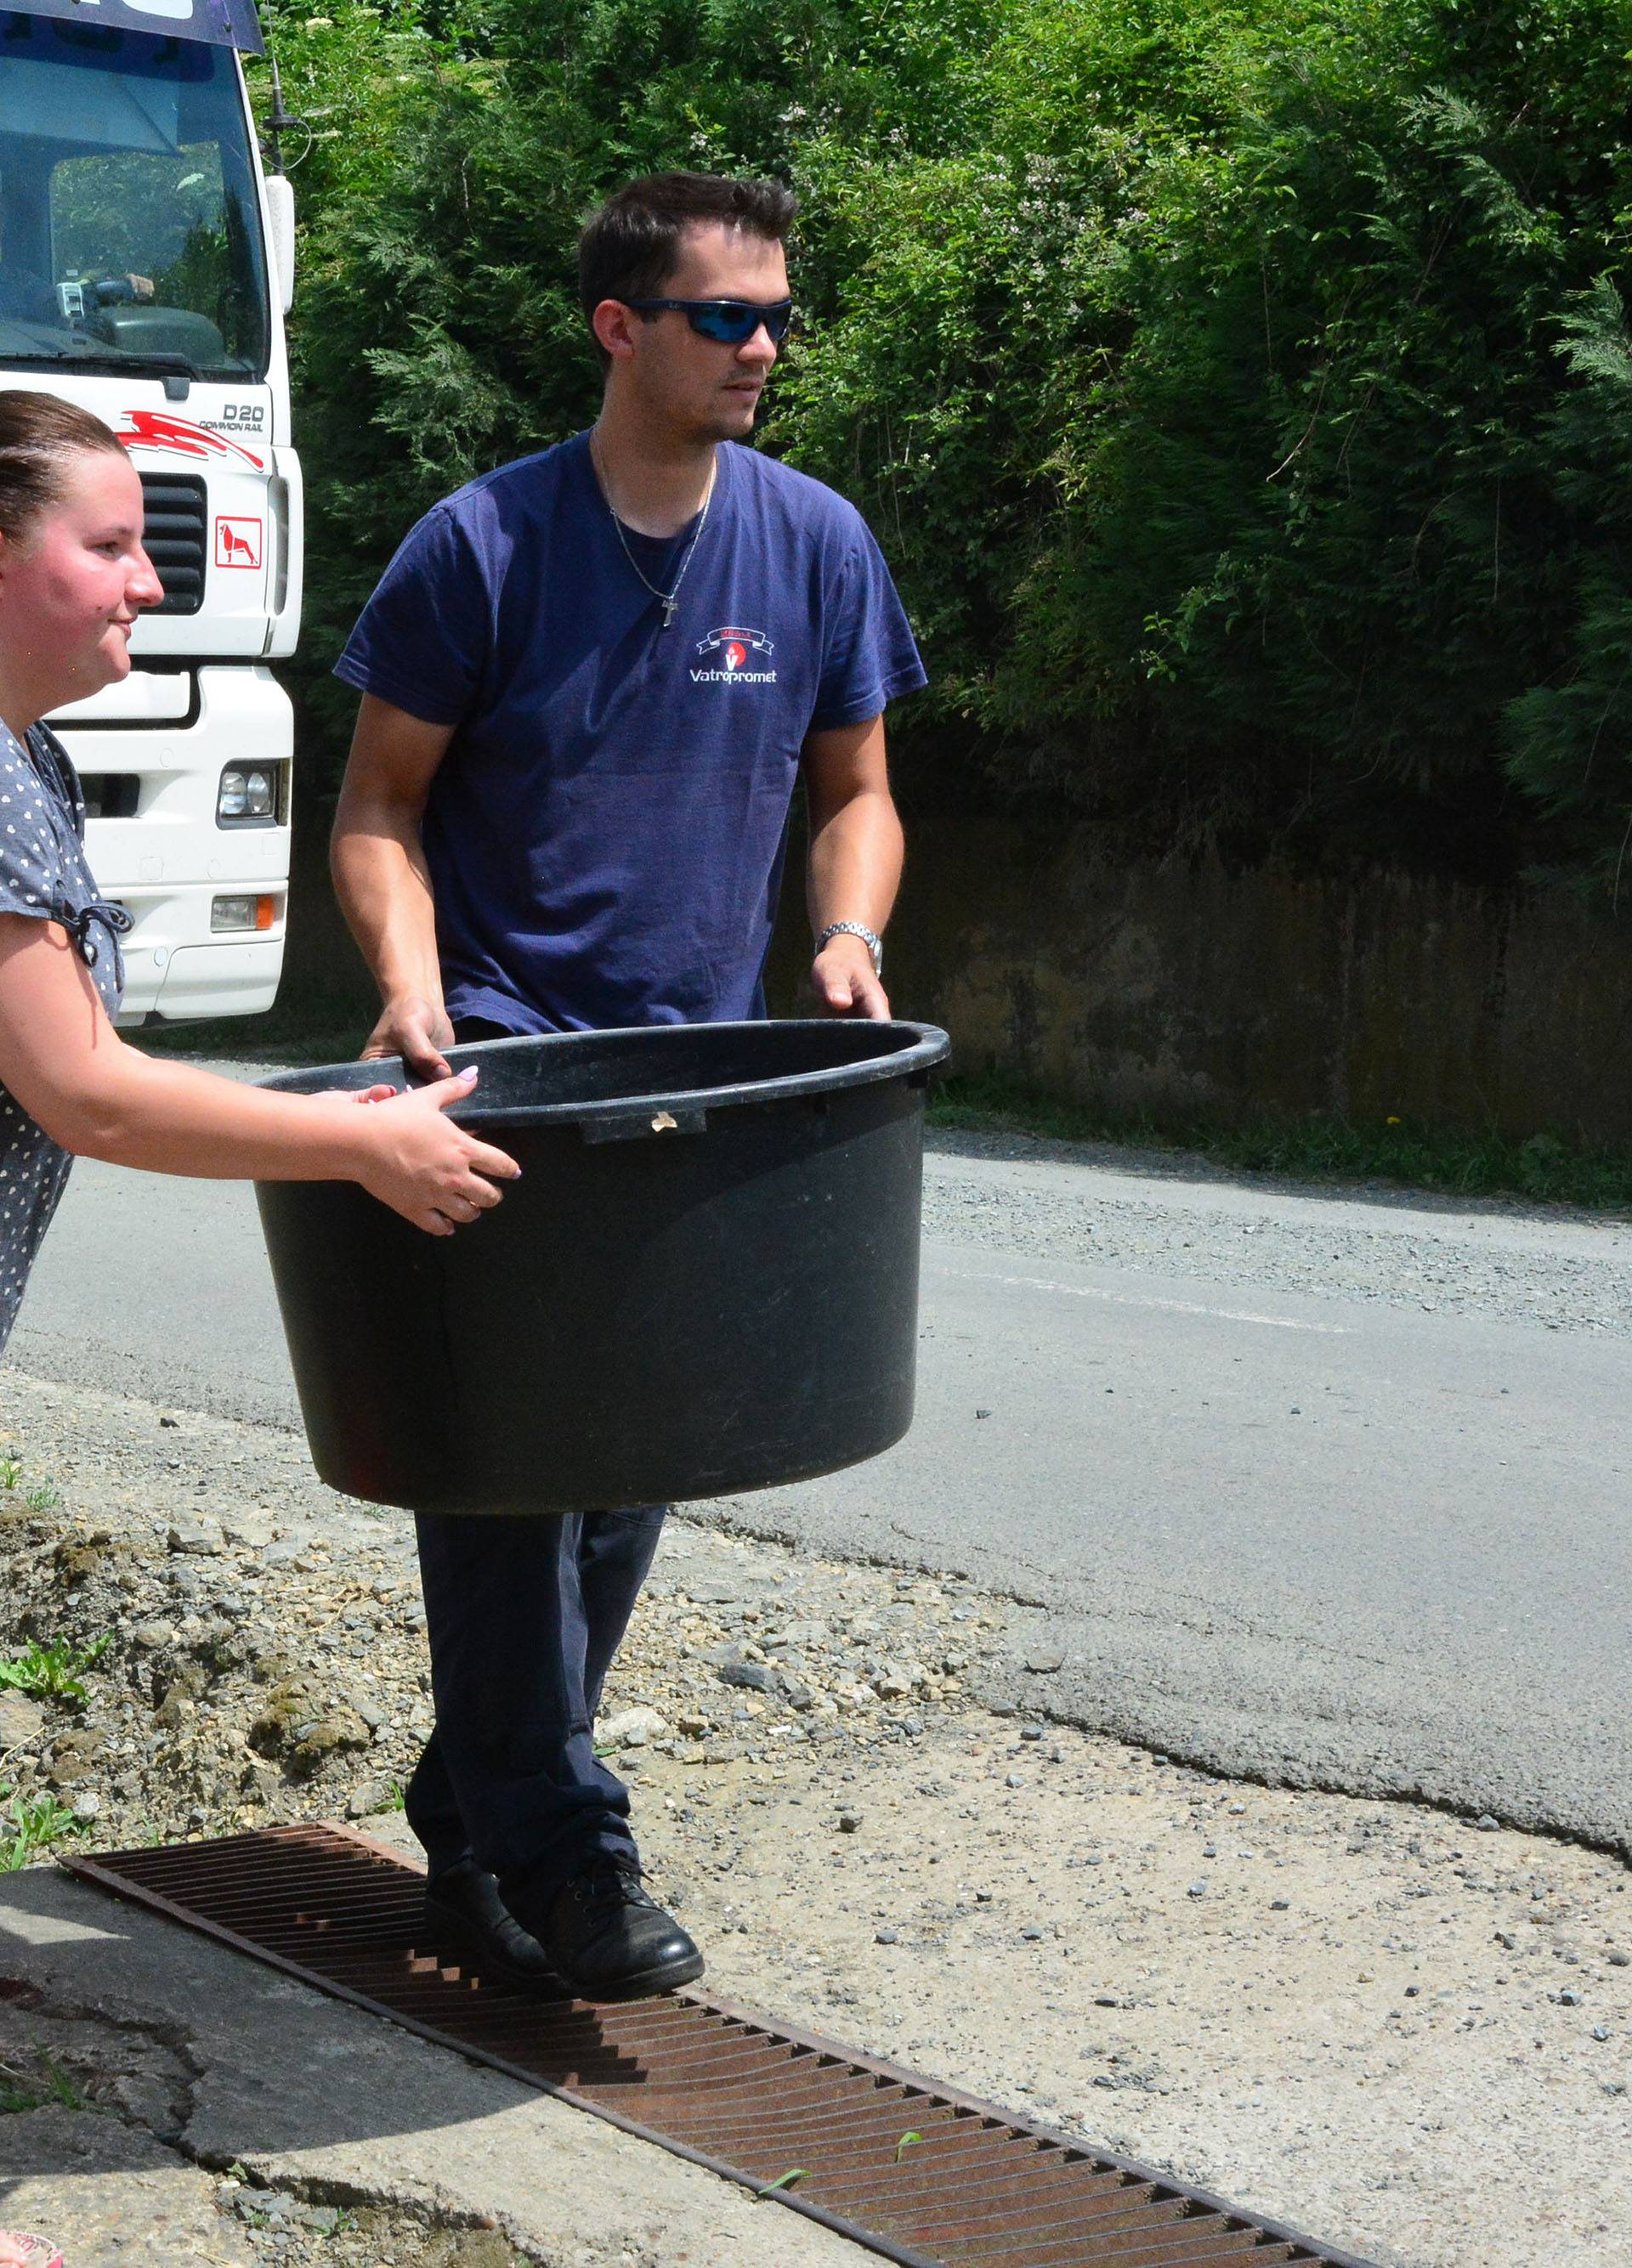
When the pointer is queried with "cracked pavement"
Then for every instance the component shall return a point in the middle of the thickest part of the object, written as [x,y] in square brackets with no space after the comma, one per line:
[192,2062]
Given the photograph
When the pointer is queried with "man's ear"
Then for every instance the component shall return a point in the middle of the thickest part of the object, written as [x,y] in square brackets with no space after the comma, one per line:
[614,327]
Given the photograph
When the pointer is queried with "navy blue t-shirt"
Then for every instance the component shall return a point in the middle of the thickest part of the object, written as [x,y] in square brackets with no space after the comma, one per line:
[604,834]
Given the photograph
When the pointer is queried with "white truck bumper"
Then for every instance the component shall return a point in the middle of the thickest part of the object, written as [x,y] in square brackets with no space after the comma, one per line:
[168,859]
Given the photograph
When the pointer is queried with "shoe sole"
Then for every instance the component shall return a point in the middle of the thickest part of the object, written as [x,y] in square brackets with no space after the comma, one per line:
[461,1935]
[644,1983]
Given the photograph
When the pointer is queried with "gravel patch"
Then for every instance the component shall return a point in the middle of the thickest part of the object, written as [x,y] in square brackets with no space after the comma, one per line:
[1180,1216]
[1403,2031]
[265,1638]
[285,2231]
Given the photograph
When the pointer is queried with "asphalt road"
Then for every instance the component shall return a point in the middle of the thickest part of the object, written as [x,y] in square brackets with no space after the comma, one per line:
[1314,1486]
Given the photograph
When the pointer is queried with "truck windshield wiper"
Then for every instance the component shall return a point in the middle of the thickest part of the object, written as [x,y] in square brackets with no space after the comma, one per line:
[135,365]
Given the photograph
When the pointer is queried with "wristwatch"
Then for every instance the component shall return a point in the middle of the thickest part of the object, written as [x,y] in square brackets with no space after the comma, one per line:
[874,943]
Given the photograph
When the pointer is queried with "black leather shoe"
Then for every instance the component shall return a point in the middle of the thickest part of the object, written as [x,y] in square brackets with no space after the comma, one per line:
[466,1916]
[608,1940]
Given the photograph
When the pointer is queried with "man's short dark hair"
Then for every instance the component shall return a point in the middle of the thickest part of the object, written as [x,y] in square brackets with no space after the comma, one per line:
[630,247]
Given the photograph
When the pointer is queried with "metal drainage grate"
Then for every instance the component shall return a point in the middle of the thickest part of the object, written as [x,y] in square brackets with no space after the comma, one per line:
[925,2177]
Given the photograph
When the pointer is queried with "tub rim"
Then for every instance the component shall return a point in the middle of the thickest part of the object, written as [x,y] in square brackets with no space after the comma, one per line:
[927,1047]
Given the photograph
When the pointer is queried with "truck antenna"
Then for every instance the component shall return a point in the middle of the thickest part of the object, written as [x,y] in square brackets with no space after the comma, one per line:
[278,121]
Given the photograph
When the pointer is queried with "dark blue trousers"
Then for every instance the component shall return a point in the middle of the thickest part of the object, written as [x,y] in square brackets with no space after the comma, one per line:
[524,1616]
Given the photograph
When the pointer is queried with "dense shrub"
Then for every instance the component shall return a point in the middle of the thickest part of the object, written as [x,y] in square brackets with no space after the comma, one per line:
[455,152]
[1241,395]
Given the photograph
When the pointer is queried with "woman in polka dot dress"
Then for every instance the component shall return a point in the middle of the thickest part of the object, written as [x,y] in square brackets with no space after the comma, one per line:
[73,577]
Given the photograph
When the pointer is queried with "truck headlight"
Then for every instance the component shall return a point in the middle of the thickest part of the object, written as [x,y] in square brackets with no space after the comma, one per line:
[255,913]
[247,792]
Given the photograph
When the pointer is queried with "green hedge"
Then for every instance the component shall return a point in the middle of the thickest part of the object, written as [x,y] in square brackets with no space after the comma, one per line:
[1241,394]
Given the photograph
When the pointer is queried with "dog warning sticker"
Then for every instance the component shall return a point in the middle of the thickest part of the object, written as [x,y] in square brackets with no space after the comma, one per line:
[237,542]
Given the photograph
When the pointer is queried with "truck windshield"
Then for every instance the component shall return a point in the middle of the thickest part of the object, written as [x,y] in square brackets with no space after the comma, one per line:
[130,227]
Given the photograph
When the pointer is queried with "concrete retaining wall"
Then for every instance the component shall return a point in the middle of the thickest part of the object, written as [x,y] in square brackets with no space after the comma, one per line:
[1185,992]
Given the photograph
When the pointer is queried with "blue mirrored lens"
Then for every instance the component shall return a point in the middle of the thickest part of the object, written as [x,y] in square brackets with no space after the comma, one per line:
[731,322]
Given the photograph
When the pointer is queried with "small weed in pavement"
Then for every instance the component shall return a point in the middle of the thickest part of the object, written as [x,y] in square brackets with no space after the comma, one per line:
[44,1496]
[53,2090]
[782,2181]
[31,1827]
[54,1672]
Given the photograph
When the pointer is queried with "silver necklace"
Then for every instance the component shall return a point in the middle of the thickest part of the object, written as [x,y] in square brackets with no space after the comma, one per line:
[670,598]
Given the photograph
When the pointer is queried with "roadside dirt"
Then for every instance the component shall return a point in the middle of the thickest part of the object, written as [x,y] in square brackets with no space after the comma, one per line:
[1400,2031]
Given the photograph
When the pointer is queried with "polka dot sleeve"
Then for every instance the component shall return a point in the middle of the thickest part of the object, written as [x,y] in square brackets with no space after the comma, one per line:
[32,879]
[43,875]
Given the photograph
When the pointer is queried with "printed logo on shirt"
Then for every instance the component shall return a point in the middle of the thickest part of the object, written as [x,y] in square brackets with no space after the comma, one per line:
[734,651]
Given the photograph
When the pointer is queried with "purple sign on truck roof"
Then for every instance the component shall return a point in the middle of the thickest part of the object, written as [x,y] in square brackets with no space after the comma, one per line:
[221,23]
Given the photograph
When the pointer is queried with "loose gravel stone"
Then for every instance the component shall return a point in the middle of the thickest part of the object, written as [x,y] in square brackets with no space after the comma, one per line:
[21,1722]
[753,1676]
[194,1531]
[632,1728]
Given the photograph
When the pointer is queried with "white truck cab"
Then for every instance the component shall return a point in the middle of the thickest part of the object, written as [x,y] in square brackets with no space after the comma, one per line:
[145,264]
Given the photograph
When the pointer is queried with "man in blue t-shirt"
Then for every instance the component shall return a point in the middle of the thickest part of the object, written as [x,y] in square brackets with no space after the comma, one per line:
[590,681]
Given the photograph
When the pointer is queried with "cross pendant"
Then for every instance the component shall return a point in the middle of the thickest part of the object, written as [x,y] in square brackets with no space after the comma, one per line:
[670,604]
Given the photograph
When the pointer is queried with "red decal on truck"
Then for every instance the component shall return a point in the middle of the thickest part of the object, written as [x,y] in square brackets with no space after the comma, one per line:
[152,429]
[237,542]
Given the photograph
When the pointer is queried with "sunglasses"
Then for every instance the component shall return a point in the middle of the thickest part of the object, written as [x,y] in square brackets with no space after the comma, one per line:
[729,322]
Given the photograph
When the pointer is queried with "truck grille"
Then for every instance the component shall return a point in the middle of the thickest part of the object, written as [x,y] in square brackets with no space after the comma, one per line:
[174,531]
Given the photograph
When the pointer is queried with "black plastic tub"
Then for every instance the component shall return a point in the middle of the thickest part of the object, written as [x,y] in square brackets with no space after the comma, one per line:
[706,1281]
